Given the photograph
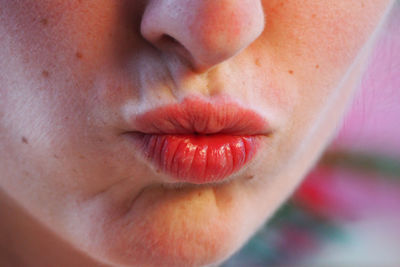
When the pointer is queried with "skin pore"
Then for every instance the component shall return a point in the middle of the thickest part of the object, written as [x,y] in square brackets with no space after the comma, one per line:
[74,72]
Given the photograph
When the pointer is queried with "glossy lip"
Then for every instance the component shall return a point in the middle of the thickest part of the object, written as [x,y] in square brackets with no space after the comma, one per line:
[197,141]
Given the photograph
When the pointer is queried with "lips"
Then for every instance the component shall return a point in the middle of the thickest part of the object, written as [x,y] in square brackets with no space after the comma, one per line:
[197,141]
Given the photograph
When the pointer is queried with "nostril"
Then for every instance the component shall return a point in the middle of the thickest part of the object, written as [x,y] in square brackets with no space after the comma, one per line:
[167,43]
[168,40]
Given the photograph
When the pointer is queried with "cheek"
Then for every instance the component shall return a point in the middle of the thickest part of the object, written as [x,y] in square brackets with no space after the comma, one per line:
[310,46]
[321,34]
[59,39]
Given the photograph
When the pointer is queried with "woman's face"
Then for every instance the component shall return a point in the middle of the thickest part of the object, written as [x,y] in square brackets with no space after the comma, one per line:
[77,76]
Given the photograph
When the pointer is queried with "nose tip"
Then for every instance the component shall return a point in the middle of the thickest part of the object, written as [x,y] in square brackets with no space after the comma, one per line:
[204,32]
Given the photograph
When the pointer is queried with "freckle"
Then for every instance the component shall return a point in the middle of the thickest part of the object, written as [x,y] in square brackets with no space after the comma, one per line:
[250,177]
[291,72]
[82,157]
[55,156]
[45,74]
[24,140]
[79,55]
[199,194]
[313,16]
[257,62]
[44,22]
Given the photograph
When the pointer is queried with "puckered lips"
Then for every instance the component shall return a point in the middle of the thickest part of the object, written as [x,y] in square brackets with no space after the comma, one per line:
[197,141]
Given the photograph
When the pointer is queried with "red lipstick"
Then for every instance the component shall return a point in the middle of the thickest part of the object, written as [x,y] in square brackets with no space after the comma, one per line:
[197,141]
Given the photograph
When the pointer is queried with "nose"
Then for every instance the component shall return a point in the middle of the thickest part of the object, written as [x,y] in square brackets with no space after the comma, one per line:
[203,32]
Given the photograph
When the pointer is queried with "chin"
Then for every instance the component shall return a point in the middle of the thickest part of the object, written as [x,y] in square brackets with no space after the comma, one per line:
[179,227]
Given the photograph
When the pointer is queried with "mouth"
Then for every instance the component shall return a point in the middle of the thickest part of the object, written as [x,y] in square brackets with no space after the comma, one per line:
[199,142]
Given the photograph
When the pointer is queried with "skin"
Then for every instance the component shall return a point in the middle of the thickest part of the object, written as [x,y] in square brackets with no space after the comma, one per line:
[72,72]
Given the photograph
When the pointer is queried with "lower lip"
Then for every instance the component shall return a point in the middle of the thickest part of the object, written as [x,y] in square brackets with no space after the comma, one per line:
[198,159]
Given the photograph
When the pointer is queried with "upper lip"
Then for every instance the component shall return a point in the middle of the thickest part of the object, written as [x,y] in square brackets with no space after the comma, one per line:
[197,116]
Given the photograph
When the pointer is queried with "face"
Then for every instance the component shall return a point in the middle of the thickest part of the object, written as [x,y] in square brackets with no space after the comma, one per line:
[79,79]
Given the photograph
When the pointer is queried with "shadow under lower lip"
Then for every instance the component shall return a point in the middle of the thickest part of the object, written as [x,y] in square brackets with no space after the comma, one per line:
[198,159]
